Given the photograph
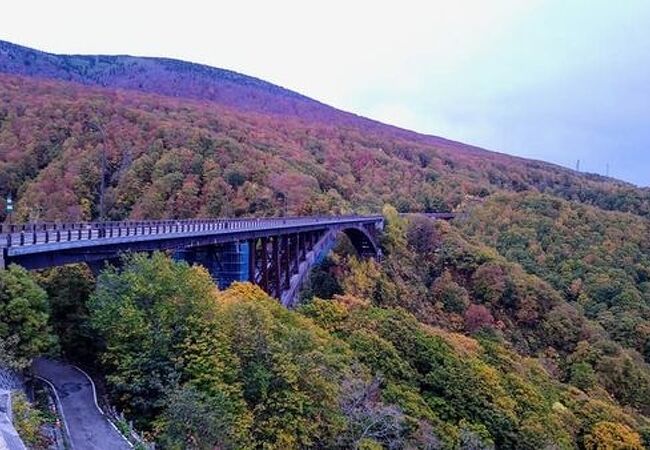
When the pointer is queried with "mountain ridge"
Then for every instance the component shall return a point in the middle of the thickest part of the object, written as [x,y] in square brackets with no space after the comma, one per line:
[70,67]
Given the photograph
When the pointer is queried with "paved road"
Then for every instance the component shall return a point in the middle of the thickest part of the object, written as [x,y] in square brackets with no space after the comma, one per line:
[88,427]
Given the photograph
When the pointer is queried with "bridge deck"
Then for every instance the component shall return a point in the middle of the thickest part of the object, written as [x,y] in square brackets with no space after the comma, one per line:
[45,244]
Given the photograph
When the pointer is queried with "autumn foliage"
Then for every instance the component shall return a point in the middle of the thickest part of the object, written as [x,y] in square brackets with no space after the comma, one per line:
[184,158]
[523,324]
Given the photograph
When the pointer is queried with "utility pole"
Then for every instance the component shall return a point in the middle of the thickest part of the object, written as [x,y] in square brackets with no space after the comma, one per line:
[102,185]
[282,196]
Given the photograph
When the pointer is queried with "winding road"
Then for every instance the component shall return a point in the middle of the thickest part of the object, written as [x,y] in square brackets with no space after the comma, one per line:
[87,426]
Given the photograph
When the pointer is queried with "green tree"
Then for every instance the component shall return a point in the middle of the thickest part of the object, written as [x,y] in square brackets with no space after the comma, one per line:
[289,369]
[394,235]
[69,288]
[322,283]
[453,296]
[195,421]
[28,421]
[583,375]
[141,312]
[24,315]
[612,436]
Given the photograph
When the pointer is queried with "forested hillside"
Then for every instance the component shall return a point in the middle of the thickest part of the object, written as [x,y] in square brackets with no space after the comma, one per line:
[523,324]
[598,260]
[444,344]
[171,158]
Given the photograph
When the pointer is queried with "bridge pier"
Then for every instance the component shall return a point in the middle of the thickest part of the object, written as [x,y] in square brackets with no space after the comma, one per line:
[283,265]
[275,259]
[226,263]
[252,260]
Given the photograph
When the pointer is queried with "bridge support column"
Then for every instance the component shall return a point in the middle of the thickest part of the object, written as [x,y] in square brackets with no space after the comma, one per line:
[295,254]
[277,287]
[286,262]
[265,264]
[252,260]
[226,263]
[301,247]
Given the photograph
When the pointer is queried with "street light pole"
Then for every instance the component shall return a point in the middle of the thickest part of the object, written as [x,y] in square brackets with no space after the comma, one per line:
[9,207]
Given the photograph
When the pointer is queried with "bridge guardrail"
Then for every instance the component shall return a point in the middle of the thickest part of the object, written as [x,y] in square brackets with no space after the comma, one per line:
[20,235]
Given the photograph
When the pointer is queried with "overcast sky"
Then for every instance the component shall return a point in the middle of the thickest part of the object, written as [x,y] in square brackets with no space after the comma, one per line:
[558,80]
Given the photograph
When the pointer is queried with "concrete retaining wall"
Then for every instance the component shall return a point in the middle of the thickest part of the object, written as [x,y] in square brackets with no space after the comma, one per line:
[9,439]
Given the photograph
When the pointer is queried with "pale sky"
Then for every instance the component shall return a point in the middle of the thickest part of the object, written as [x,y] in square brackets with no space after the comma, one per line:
[558,80]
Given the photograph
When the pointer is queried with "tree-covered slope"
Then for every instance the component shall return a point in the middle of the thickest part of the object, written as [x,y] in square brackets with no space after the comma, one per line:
[182,158]
[443,344]
[447,278]
[598,260]
[234,369]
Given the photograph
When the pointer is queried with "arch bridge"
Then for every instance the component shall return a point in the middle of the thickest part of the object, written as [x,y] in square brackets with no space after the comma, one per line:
[274,253]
